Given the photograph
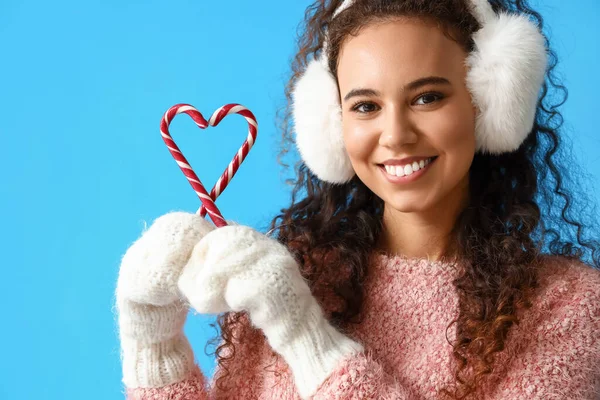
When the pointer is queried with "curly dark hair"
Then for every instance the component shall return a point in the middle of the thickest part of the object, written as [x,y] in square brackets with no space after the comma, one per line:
[520,206]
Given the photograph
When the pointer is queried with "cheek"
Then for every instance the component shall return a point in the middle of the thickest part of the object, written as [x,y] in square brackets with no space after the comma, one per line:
[452,128]
[456,134]
[456,139]
[359,140]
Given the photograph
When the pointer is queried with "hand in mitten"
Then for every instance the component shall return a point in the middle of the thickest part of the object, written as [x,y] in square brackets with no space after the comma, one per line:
[235,268]
[151,310]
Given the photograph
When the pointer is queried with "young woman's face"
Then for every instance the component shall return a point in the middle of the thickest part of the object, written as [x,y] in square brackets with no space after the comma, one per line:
[403,94]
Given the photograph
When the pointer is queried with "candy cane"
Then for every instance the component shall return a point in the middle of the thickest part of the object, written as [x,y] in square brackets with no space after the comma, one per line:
[208,201]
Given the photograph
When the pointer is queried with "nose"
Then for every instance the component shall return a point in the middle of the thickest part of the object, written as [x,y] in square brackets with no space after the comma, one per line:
[398,129]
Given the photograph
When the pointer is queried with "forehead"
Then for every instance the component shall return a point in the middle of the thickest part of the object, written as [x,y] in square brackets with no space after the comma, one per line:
[402,49]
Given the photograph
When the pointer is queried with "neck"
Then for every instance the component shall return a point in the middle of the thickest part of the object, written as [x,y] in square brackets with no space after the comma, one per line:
[423,234]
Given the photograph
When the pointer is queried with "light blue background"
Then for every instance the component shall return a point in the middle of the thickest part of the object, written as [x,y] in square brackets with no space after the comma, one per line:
[83,86]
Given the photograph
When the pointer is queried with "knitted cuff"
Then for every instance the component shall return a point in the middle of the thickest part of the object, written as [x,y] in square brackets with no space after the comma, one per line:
[154,349]
[157,364]
[314,350]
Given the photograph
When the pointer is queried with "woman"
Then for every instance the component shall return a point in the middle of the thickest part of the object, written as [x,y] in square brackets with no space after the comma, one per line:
[423,260]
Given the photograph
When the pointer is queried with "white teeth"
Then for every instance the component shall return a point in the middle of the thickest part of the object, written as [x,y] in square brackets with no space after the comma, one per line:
[408,169]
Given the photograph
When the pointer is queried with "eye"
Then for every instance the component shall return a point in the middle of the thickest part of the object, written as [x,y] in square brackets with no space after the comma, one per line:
[429,97]
[370,107]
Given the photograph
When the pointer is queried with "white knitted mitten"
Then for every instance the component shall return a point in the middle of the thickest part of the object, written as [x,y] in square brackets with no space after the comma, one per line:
[236,268]
[151,310]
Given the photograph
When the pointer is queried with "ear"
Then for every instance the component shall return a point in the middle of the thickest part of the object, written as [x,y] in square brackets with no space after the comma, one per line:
[506,73]
[318,124]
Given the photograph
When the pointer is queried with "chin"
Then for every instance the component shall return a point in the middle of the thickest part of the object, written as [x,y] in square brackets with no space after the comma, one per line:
[403,207]
[407,203]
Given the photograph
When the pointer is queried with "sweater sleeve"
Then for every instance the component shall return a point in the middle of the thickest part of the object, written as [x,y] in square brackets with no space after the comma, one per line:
[362,377]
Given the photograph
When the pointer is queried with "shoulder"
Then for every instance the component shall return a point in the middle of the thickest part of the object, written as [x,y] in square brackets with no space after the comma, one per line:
[568,297]
[569,279]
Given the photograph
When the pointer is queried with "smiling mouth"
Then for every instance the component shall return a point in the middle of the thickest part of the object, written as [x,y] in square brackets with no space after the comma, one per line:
[408,169]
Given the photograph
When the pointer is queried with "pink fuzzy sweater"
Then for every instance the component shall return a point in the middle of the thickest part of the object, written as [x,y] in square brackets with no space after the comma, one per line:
[554,353]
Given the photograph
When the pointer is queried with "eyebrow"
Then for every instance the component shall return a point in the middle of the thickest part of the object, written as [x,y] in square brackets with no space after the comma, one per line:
[428,80]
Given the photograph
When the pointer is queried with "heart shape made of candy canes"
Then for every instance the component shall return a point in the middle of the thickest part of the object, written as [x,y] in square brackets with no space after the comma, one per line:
[208,201]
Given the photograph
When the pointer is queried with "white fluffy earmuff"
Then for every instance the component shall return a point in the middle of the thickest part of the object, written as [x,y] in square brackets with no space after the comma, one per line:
[506,72]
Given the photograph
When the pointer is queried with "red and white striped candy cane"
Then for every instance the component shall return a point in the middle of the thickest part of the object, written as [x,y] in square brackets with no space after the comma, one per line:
[208,201]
